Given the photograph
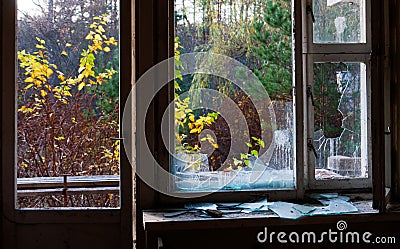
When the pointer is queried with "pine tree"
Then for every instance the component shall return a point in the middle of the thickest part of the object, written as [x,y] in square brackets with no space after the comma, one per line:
[271,44]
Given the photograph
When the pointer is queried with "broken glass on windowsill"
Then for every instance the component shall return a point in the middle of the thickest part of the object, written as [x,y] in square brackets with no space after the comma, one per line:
[330,204]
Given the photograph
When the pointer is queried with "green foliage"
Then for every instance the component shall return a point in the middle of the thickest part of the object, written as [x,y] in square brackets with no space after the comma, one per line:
[185,119]
[326,99]
[256,33]
[244,160]
[271,44]
[108,93]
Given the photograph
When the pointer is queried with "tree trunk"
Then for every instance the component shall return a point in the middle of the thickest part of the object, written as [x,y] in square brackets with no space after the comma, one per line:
[50,16]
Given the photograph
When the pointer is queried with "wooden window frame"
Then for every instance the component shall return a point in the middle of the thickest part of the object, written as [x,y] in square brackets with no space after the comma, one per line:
[162,33]
[336,48]
[303,53]
[151,44]
[354,52]
[122,215]
[350,183]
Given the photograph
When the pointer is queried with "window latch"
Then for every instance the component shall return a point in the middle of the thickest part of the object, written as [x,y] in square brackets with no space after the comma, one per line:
[310,94]
[311,147]
[117,138]
[310,11]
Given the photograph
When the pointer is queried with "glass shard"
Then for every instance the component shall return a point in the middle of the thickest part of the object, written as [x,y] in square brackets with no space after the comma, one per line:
[286,210]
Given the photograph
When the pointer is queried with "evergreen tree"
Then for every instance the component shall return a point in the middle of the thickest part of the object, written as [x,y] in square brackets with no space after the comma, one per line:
[271,44]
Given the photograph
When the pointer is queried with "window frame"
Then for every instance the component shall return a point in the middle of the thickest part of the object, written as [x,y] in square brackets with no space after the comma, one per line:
[360,183]
[147,198]
[337,52]
[123,214]
[336,48]
[303,55]
[299,148]
[153,199]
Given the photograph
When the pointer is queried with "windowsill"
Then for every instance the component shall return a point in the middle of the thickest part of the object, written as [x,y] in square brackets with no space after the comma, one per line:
[154,221]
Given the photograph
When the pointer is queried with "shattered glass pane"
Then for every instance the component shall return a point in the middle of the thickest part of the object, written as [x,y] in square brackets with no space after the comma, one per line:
[236,138]
[339,21]
[340,120]
[202,206]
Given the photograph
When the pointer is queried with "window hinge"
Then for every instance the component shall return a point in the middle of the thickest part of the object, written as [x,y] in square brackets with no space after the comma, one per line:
[294,91]
[310,11]
[388,132]
[311,147]
[310,94]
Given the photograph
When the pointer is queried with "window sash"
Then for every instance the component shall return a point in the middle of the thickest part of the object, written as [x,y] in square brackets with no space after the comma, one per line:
[277,194]
[334,52]
[335,48]
[338,183]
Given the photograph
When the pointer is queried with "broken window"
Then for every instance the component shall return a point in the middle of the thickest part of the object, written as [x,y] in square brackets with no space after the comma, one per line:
[340,120]
[242,138]
[259,35]
[338,93]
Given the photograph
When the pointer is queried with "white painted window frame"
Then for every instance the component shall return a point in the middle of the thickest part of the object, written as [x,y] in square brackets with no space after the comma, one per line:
[336,48]
[340,183]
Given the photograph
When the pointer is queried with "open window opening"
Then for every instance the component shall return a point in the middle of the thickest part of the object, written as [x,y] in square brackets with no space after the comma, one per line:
[68,142]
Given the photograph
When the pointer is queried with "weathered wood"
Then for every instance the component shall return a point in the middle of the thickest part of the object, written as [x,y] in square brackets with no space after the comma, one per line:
[377,104]
[72,181]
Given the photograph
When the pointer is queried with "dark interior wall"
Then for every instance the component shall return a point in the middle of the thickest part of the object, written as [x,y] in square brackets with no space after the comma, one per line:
[394,32]
[247,238]
[63,235]
[51,236]
[1,134]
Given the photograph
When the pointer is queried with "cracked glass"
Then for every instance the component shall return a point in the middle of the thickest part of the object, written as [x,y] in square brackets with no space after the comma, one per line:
[340,120]
[258,34]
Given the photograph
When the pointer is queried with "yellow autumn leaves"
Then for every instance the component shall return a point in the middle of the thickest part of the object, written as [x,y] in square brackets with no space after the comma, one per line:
[38,70]
[97,36]
[184,116]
